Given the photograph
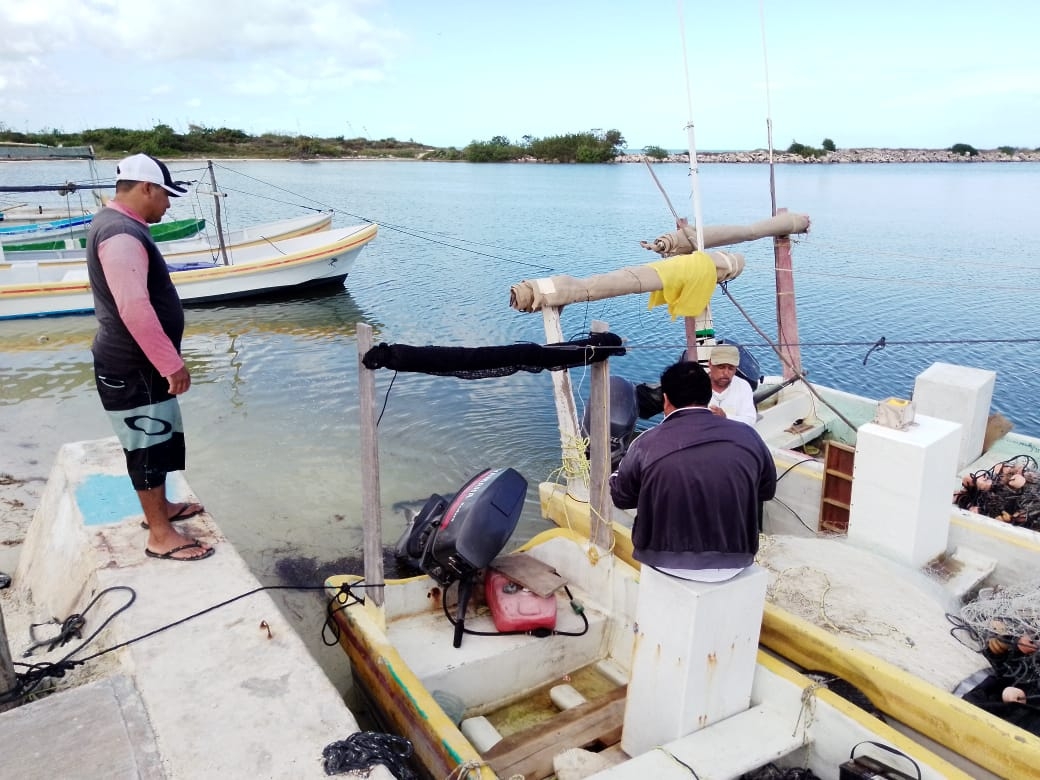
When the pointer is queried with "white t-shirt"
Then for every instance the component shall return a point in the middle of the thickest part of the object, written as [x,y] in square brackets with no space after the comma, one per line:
[737,401]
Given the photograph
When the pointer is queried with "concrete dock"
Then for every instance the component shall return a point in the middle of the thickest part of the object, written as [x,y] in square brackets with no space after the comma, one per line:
[231,693]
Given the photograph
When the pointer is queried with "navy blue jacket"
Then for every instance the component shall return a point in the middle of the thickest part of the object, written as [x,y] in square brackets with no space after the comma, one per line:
[696,482]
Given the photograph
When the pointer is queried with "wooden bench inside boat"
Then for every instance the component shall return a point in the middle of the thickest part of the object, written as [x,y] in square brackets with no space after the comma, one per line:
[530,752]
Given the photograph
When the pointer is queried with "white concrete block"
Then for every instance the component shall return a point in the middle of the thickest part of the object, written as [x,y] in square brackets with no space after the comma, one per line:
[958,394]
[480,733]
[901,488]
[566,697]
[694,659]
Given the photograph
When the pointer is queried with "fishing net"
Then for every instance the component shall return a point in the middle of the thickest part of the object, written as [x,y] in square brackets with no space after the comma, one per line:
[1003,624]
[1008,491]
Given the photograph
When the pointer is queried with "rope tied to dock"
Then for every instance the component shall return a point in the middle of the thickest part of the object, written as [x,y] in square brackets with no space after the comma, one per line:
[360,751]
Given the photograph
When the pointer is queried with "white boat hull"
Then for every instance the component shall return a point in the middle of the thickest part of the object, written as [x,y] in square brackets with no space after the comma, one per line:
[320,258]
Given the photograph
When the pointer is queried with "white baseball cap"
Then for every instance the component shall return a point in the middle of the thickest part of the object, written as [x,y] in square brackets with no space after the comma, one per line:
[144,167]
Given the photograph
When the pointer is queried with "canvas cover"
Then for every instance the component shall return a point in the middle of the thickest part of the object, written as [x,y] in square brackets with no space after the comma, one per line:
[534,294]
[680,242]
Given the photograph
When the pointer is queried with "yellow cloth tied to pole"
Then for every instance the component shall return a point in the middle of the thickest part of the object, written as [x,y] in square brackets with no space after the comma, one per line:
[688,283]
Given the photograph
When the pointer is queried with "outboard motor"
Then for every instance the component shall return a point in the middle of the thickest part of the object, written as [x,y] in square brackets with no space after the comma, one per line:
[452,539]
[624,409]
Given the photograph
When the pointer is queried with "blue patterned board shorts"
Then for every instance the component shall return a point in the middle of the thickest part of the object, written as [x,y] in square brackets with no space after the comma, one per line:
[147,421]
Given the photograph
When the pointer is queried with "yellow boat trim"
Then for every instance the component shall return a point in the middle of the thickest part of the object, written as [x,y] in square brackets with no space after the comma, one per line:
[371,633]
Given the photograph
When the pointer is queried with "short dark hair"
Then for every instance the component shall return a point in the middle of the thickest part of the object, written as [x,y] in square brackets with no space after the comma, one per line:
[686,383]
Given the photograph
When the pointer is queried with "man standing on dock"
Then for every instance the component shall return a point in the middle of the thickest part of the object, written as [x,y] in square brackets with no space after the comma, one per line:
[137,363]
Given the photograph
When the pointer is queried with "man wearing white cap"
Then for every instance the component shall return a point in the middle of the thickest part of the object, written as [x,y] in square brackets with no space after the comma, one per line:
[137,363]
[731,395]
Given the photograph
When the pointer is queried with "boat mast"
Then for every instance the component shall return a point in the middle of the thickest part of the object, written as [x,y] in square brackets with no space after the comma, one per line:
[700,330]
[216,199]
[786,307]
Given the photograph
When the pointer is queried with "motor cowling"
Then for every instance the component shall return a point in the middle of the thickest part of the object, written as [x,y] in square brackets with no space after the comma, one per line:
[624,411]
[452,539]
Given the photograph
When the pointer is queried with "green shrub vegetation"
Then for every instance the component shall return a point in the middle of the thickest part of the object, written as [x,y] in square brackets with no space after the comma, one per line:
[805,151]
[199,141]
[498,149]
[592,146]
[828,145]
[1008,150]
[966,150]
[655,151]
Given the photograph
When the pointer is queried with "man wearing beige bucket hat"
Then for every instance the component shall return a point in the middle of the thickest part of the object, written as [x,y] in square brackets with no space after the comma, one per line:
[731,395]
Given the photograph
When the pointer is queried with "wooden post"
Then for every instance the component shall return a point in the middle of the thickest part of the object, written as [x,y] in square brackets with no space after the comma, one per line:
[599,450]
[371,509]
[786,309]
[7,675]
[216,200]
[566,411]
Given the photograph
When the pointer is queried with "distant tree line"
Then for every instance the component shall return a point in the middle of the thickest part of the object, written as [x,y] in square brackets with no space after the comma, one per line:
[163,141]
[592,146]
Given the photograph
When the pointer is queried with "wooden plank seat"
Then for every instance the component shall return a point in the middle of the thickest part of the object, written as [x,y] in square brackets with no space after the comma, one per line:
[530,752]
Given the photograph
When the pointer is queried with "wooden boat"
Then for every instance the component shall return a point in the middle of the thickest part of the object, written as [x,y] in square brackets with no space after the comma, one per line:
[906,672]
[204,244]
[74,234]
[473,701]
[30,289]
[13,230]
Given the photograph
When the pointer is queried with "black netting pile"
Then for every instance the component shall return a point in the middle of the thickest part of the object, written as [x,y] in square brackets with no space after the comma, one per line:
[1008,491]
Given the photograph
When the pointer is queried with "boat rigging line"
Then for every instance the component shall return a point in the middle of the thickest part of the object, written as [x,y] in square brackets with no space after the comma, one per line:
[769,108]
[783,358]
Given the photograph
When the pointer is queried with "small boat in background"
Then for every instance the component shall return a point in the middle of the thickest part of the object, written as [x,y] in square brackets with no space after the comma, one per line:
[198,242]
[73,234]
[43,289]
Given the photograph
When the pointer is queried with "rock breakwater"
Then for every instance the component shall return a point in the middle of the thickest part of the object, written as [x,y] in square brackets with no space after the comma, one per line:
[842,156]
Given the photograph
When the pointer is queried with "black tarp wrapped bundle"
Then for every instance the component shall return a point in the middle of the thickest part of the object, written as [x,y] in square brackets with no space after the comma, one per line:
[488,362]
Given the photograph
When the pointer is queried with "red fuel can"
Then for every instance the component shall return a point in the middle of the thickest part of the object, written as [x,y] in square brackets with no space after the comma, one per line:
[514,608]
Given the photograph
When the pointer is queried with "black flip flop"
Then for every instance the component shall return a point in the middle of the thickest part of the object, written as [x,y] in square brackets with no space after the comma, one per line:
[184,514]
[169,555]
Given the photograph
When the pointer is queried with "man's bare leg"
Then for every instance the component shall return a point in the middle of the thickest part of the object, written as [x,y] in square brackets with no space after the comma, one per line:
[161,535]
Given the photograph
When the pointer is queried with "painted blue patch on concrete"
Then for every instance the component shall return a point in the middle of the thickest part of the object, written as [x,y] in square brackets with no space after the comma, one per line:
[105,498]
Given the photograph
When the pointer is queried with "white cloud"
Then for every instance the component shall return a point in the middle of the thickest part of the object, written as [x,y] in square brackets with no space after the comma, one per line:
[210,51]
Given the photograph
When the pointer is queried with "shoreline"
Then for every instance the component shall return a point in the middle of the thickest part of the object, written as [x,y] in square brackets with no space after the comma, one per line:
[859,156]
[848,156]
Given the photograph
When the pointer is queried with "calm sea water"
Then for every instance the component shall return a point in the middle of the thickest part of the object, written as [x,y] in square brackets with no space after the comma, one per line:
[942,257]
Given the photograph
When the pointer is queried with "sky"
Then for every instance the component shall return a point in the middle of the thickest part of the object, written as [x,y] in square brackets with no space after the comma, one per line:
[915,73]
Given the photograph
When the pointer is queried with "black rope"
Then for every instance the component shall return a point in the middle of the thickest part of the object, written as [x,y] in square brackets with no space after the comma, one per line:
[28,681]
[361,750]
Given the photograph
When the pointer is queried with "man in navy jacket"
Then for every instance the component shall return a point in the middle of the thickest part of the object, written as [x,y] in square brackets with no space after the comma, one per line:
[697,482]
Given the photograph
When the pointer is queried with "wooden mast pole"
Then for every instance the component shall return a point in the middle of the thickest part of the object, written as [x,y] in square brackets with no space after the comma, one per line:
[371,510]
[700,330]
[786,307]
[600,504]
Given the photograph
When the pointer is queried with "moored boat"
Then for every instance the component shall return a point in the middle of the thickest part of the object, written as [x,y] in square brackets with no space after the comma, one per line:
[205,244]
[74,234]
[29,289]
[900,523]
[473,694]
